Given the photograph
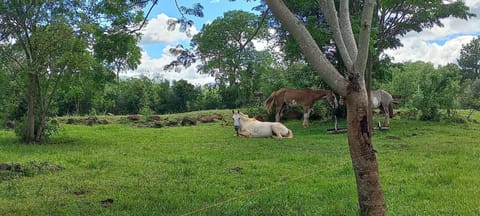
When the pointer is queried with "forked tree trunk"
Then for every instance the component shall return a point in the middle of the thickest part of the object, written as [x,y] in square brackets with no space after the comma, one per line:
[370,195]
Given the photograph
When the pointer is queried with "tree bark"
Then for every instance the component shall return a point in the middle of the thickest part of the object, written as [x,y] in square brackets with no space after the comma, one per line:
[362,153]
[30,128]
[368,82]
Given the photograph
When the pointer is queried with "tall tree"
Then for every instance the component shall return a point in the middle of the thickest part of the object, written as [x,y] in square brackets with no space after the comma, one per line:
[185,93]
[225,45]
[469,60]
[352,87]
[54,39]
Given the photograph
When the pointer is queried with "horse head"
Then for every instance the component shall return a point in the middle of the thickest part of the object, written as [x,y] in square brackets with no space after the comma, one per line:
[236,118]
[332,100]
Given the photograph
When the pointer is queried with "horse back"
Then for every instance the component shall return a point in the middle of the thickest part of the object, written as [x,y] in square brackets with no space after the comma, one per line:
[299,96]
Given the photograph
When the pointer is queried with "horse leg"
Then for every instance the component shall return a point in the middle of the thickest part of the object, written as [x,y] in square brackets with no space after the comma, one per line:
[244,133]
[276,133]
[279,111]
[335,124]
[237,129]
[306,114]
[386,122]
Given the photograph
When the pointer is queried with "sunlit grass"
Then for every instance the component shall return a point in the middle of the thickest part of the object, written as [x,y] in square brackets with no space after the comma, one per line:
[426,168]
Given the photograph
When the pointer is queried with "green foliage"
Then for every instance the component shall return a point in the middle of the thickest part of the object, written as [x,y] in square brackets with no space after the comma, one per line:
[255,110]
[471,95]
[225,45]
[476,88]
[184,92]
[209,98]
[300,75]
[146,113]
[469,60]
[426,89]
[118,51]
[8,99]
[310,14]
[51,128]
[206,170]
[437,89]
[386,29]
[230,96]
[47,43]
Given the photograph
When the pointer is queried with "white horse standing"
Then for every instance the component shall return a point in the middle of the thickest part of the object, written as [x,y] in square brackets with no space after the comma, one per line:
[384,101]
[379,99]
[250,127]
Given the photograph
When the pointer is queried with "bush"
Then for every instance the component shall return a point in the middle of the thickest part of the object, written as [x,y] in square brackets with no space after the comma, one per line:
[437,89]
[51,128]
[255,110]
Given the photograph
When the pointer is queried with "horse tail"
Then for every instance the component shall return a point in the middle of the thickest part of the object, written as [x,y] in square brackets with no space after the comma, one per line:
[269,102]
[390,109]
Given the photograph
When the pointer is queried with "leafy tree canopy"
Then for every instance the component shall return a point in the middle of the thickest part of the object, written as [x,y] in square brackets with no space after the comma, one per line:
[469,60]
[43,43]
[224,46]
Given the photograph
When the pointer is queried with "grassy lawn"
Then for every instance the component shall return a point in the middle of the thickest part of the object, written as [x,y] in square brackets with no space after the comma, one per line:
[427,168]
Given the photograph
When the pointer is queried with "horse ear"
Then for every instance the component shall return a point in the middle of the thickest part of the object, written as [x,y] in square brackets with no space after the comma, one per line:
[233,112]
[238,111]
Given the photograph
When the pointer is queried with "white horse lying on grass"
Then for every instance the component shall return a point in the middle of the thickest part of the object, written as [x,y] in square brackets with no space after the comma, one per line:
[250,127]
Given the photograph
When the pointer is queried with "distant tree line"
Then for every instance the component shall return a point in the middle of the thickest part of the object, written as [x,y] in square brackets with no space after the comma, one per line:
[422,88]
[66,77]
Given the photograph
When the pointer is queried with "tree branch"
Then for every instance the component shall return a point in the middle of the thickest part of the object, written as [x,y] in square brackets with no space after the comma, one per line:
[364,40]
[146,17]
[264,16]
[329,10]
[309,47]
[346,30]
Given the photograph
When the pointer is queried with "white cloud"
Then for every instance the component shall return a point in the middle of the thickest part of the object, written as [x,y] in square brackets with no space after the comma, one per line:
[421,50]
[260,45]
[156,31]
[153,68]
[439,45]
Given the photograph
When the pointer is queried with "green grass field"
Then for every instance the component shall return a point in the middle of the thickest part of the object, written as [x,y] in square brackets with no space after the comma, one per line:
[426,168]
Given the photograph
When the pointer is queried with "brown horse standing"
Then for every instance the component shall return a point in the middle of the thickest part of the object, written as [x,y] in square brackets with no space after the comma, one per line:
[299,97]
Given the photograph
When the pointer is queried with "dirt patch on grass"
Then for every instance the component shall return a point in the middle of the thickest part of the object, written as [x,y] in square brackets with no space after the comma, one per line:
[151,121]
[391,137]
[10,171]
[81,192]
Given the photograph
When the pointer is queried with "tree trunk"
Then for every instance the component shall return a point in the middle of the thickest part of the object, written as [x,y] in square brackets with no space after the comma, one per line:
[368,83]
[30,127]
[370,195]
[41,127]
